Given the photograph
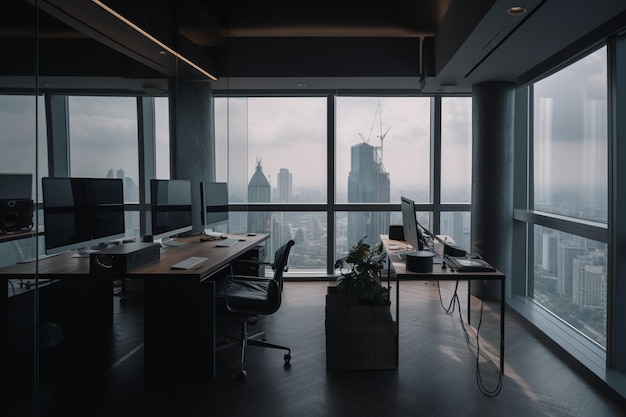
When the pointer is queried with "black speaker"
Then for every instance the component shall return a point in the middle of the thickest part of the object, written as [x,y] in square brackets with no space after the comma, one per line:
[396,232]
[16,214]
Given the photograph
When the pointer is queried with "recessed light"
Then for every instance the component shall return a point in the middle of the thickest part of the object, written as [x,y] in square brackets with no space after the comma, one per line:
[516,11]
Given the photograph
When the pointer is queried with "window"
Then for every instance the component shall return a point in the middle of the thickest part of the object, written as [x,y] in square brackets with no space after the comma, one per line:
[571,280]
[21,138]
[276,148]
[456,149]
[382,149]
[273,151]
[570,140]
[566,278]
[162,139]
[104,140]
[104,143]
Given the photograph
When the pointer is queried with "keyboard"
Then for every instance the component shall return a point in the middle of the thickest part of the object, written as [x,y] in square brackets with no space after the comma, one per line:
[225,243]
[189,262]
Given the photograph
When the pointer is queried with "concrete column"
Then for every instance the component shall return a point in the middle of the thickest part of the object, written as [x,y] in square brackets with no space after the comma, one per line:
[192,149]
[492,179]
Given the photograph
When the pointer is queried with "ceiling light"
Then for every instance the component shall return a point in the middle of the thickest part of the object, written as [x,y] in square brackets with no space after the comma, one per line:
[300,85]
[153,39]
[516,11]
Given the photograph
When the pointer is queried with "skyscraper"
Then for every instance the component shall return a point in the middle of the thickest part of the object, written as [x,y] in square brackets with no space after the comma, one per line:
[284,185]
[368,182]
[259,191]
[566,253]
[589,286]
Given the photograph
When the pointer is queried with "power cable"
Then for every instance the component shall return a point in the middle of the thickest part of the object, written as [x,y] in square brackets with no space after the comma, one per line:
[454,302]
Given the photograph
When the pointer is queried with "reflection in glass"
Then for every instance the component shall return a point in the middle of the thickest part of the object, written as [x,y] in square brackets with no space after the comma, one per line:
[570,140]
[571,280]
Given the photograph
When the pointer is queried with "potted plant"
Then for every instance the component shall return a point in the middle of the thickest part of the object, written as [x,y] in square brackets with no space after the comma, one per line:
[360,273]
[360,332]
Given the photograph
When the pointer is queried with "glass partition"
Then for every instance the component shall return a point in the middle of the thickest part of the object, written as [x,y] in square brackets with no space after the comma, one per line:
[22,139]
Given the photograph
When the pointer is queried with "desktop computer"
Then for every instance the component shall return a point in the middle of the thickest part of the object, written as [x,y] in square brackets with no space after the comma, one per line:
[123,258]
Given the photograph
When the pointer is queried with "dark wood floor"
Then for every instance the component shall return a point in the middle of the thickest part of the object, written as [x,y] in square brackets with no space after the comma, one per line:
[437,373]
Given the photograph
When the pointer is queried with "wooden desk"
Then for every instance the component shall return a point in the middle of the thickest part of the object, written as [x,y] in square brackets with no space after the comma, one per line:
[441,274]
[179,307]
[86,300]
[20,234]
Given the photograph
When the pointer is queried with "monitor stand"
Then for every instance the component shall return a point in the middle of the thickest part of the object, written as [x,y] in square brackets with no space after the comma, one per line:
[168,241]
[85,253]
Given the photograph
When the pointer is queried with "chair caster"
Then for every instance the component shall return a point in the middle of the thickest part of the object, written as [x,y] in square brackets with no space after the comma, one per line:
[242,374]
[287,358]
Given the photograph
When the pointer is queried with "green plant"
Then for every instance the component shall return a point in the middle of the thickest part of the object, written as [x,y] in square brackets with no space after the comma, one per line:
[360,272]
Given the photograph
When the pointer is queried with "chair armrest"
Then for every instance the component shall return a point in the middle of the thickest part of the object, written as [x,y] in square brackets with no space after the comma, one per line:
[247,278]
[250,261]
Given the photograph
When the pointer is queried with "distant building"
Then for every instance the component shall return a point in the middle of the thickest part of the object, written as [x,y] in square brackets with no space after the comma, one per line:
[566,252]
[284,185]
[259,191]
[368,182]
[589,287]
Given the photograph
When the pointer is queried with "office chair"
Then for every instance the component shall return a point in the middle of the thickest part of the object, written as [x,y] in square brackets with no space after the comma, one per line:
[249,297]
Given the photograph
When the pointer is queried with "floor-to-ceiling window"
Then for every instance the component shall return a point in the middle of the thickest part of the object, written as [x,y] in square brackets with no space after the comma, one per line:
[103,143]
[382,152]
[272,150]
[280,156]
[456,169]
[566,213]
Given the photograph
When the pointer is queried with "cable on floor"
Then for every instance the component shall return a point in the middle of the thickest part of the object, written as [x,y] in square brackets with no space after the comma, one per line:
[455,302]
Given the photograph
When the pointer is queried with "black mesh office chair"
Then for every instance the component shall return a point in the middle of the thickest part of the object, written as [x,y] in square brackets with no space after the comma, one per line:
[252,296]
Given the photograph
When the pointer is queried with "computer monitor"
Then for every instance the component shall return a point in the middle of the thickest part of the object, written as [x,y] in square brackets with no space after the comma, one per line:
[82,213]
[171,209]
[16,202]
[214,200]
[412,231]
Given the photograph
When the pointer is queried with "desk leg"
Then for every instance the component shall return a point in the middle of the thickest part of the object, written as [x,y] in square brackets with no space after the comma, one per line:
[397,321]
[179,328]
